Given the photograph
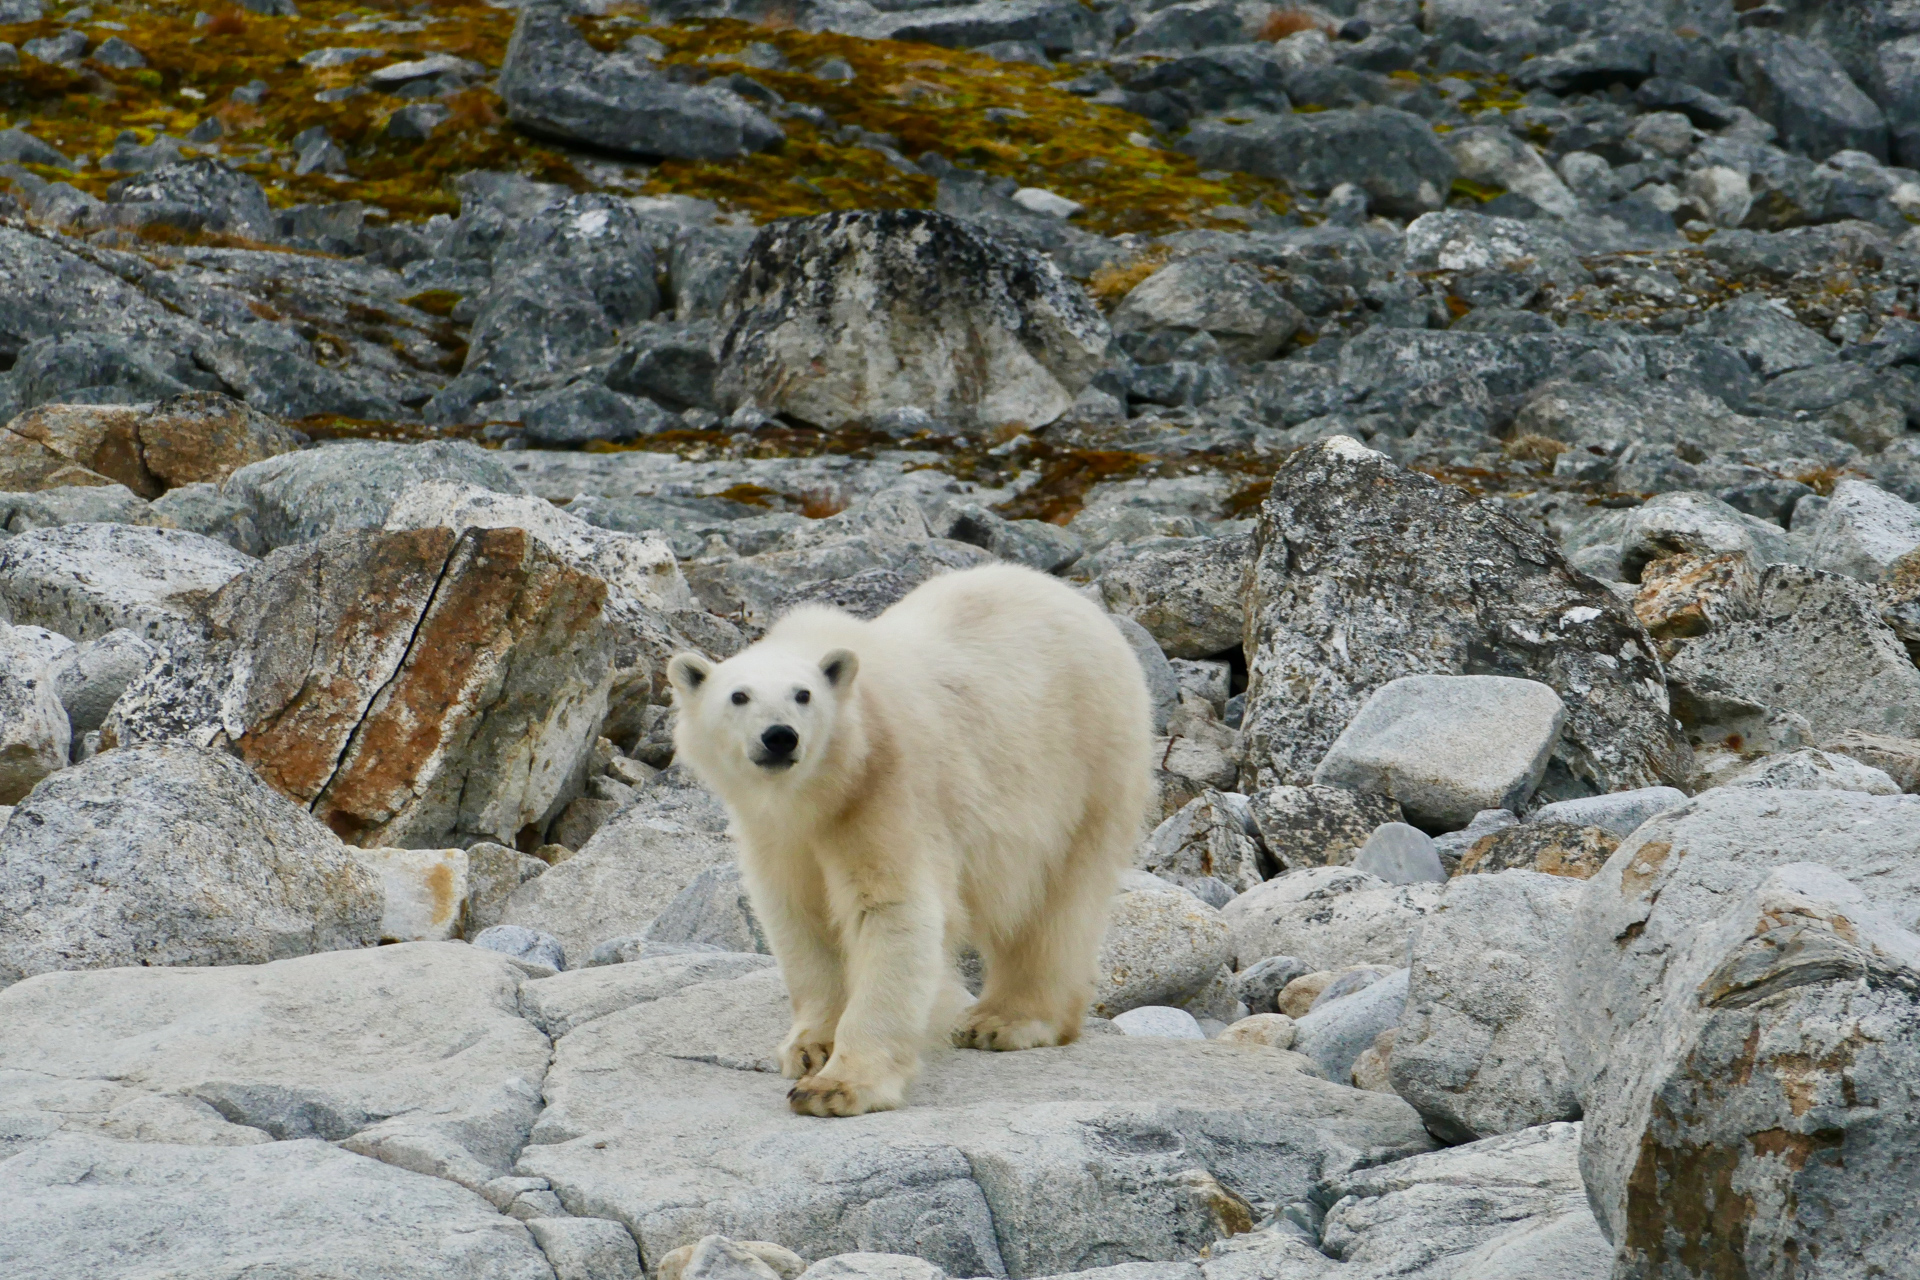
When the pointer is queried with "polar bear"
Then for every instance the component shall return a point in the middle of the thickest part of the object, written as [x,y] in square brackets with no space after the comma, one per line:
[972,766]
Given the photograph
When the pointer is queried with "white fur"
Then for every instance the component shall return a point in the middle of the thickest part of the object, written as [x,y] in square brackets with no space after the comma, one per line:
[977,774]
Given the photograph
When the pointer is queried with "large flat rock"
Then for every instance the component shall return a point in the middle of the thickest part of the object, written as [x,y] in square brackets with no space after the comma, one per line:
[81,1207]
[670,1116]
[415,1054]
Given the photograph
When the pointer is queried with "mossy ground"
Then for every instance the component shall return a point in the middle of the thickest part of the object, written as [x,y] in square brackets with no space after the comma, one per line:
[1007,119]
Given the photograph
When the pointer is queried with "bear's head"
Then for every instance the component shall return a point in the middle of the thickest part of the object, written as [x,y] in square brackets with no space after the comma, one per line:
[762,721]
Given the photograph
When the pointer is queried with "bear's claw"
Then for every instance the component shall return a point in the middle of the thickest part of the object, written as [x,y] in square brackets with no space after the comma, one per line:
[814,1096]
[986,1030]
[805,1058]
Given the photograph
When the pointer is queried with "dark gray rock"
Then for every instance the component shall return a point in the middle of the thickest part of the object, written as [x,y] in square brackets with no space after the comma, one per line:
[555,83]
[671,364]
[93,368]
[1766,335]
[1392,155]
[297,497]
[1058,27]
[585,412]
[195,195]
[1802,90]
[592,242]
[1318,826]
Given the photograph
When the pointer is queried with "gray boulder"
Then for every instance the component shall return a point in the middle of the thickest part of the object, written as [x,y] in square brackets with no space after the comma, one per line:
[1862,531]
[1400,854]
[1478,1049]
[992,1169]
[299,496]
[1801,89]
[1447,747]
[529,330]
[84,580]
[555,83]
[1738,980]
[1163,946]
[562,1002]
[209,866]
[630,871]
[1337,1032]
[670,363]
[35,734]
[1392,155]
[1318,826]
[1811,770]
[1209,839]
[1329,917]
[593,242]
[1367,572]
[1765,334]
[534,950]
[1815,647]
[97,672]
[714,911]
[848,316]
[1456,240]
[1246,314]
[415,1055]
[1621,812]
[86,1207]
[584,412]
[1188,593]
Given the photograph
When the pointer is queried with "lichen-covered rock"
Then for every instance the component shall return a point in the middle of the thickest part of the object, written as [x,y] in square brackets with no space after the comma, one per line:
[198,437]
[35,734]
[1328,917]
[1478,1051]
[1210,839]
[92,678]
[405,687]
[1317,826]
[1367,572]
[298,497]
[1814,645]
[1245,313]
[1163,946]
[1812,770]
[1550,847]
[1392,155]
[84,580]
[1190,594]
[1739,1016]
[171,855]
[844,317]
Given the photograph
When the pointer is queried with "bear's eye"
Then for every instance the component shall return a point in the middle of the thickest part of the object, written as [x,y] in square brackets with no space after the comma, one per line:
[739,697]
[804,696]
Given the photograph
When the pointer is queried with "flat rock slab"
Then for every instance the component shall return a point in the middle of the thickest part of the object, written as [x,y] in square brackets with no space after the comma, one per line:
[671,1117]
[90,1208]
[415,1054]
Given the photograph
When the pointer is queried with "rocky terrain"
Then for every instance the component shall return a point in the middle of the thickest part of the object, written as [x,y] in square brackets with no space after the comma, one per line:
[1495,424]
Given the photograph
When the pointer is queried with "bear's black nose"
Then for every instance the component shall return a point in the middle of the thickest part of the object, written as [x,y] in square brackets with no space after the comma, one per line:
[779,740]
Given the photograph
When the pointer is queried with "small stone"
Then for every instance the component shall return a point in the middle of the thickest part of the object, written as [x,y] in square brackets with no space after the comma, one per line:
[1296,999]
[1159,1020]
[1274,1030]
[1258,985]
[1370,1068]
[1400,854]
[1336,1033]
[530,946]
[425,891]
[1620,812]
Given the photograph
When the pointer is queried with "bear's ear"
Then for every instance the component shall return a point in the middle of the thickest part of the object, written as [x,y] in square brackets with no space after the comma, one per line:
[838,667]
[687,672]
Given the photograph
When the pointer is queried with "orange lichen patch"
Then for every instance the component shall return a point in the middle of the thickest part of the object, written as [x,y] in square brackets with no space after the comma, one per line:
[1291,22]
[818,504]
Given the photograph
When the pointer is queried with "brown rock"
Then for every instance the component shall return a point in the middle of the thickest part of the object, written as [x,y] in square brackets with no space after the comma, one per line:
[408,688]
[1296,998]
[1554,848]
[199,437]
[1898,758]
[1682,596]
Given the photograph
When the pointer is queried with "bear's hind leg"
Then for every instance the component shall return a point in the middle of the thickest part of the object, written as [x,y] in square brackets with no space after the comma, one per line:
[1040,980]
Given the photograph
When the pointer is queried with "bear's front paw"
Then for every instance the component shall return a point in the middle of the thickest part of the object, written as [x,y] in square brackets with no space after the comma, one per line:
[823,1096]
[983,1028]
[804,1052]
